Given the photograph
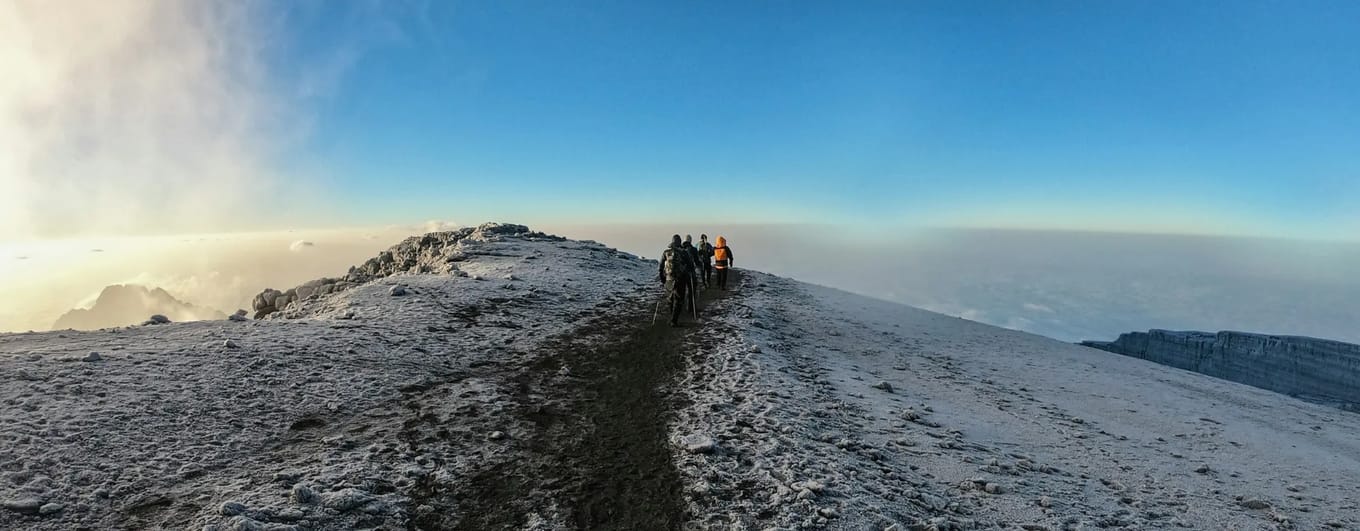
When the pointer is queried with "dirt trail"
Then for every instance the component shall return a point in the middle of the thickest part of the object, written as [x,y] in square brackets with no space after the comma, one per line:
[600,405]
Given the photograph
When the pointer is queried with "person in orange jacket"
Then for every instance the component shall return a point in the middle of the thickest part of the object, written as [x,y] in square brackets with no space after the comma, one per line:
[722,261]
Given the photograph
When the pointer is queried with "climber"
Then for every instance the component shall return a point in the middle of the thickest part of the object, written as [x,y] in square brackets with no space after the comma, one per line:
[696,258]
[676,273]
[706,258]
[722,261]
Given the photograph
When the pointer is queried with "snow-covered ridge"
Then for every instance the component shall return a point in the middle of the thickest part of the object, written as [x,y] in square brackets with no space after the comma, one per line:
[1314,369]
[435,252]
[304,420]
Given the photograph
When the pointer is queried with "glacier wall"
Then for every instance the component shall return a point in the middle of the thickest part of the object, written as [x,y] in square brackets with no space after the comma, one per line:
[1318,370]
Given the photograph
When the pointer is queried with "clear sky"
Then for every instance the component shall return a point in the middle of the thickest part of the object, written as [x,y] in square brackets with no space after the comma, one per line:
[1234,117]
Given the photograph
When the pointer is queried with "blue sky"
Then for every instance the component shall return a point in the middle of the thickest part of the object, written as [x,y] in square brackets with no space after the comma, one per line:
[1207,117]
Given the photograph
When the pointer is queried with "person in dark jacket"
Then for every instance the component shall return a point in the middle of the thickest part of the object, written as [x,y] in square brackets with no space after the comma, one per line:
[676,273]
[696,258]
[706,258]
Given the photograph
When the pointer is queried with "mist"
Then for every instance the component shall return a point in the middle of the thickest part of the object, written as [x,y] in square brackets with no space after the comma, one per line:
[138,117]
[1066,285]
[42,280]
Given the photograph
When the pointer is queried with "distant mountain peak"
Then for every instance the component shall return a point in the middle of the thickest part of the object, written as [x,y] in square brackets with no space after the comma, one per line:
[130,304]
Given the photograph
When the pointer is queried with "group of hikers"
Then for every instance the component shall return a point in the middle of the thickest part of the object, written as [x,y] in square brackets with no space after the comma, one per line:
[684,267]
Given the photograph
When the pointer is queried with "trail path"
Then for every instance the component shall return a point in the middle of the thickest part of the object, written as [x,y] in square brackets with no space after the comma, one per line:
[601,405]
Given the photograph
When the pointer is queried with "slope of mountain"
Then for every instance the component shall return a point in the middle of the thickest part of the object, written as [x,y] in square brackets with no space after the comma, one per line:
[1313,369]
[521,385]
[126,305]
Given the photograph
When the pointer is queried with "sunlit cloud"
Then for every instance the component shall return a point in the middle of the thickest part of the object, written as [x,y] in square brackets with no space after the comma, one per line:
[135,116]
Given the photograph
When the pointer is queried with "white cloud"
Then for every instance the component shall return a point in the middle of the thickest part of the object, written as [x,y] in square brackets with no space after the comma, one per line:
[436,225]
[136,116]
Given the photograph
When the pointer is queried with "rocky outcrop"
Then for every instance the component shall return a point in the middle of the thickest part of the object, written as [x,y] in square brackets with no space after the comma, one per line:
[436,252]
[127,305]
[1319,370]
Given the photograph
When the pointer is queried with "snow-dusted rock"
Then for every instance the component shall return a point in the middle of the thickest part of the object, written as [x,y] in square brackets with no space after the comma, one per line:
[303,495]
[22,504]
[93,356]
[50,508]
[157,319]
[346,499]
[231,508]
[397,290]
[698,443]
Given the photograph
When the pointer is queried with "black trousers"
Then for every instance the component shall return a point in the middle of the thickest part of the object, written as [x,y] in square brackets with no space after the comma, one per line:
[679,298]
[708,272]
[722,278]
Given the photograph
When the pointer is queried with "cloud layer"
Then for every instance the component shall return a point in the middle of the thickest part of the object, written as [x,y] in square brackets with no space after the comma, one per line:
[134,116]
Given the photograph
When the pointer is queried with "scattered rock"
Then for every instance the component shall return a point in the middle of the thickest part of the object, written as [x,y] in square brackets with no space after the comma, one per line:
[346,499]
[885,386]
[158,319]
[496,435]
[933,502]
[93,356]
[51,508]
[1255,504]
[1203,469]
[1045,502]
[26,505]
[243,523]
[397,290]
[239,316]
[231,508]
[994,488]
[303,495]
[230,344]
[698,443]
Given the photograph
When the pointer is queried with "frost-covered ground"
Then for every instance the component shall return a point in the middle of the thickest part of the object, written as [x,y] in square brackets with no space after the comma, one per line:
[306,419]
[526,389]
[831,409]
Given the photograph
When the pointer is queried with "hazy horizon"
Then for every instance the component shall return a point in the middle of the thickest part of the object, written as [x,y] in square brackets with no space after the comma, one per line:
[1067,285]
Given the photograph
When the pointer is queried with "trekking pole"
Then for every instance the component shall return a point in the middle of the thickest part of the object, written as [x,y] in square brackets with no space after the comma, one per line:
[657,308]
[694,302]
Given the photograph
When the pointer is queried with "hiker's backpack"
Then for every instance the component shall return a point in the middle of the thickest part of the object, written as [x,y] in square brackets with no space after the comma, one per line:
[677,263]
[720,254]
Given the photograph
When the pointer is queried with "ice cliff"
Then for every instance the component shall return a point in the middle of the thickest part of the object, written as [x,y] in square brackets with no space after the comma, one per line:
[1314,369]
